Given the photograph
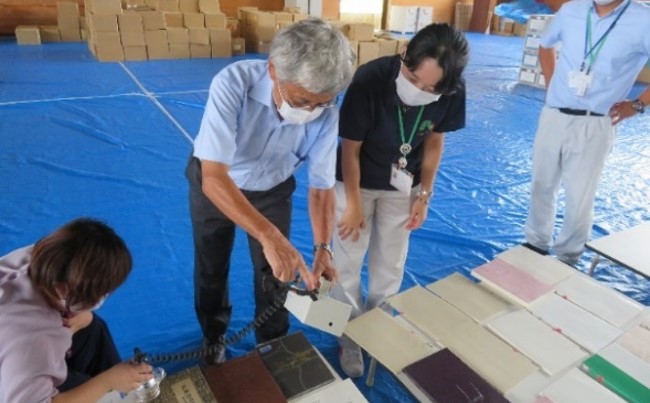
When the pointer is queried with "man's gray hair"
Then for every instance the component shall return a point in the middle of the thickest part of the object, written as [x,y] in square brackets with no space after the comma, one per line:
[313,55]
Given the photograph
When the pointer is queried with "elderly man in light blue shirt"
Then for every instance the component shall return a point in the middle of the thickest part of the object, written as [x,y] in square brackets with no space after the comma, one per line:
[261,122]
[604,46]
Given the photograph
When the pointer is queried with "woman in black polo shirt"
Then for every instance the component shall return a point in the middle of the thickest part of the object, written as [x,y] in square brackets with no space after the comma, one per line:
[392,125]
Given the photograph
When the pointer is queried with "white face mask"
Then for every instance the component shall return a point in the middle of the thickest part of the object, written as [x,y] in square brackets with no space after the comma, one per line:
[604,2]
[412,95]
[297,116]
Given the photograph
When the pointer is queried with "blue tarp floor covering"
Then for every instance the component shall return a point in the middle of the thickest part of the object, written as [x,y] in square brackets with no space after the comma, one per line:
[110,140]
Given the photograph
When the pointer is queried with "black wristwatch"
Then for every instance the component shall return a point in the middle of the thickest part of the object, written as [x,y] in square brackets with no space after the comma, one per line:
[638,106]
[324,246]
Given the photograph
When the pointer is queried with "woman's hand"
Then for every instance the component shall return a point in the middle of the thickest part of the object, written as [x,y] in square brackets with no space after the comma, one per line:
[419,210]
[127,376]
[351,222]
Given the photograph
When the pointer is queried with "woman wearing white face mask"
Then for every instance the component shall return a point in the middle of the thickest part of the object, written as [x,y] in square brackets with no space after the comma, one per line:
[52,347]
[392,125]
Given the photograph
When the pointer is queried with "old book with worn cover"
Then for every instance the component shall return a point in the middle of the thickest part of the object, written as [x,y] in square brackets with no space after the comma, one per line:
[188,385]
[295,365]
[444,378]
[242,380]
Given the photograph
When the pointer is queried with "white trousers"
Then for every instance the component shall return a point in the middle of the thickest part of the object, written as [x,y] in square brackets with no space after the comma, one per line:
[572,150]
[385,240]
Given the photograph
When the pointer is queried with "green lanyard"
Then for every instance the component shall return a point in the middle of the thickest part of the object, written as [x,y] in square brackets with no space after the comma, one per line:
[594,50]
[405,148]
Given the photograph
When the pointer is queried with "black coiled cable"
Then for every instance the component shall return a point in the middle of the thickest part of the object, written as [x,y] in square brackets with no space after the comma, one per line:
[278,302]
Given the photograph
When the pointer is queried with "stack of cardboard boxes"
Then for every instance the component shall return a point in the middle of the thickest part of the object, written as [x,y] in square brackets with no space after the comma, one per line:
[259,27]
[506,26]
[118,30]
[158,29]
[70,27]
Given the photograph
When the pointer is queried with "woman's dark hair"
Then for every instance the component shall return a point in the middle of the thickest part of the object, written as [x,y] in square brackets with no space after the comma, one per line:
[448,46]
[86,256]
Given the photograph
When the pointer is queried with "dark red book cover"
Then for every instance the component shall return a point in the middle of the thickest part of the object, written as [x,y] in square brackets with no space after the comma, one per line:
[243,379]
[444,378]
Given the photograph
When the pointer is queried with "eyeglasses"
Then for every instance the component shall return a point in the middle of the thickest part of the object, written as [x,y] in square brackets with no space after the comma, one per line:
[304,105]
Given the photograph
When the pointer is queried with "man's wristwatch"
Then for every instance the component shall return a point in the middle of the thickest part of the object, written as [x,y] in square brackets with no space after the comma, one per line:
[638,106]
[324,246]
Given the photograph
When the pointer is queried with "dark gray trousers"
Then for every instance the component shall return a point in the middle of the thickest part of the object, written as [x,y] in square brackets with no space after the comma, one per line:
[214,236]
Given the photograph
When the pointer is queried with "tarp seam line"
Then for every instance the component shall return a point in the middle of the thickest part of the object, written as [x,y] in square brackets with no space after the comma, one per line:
[30,101]
[157,103]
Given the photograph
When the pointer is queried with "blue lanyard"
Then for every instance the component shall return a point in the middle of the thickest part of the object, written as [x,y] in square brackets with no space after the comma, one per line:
[595,49]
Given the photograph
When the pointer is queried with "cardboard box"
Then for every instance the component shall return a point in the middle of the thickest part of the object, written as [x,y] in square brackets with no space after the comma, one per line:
[156,38]
[242,10]
[132,38]
[188,6]
[67,9]
[216,20]
[200,51]
[293,10]
[233,25]
[238,46]
[102,23]
[284,24]
[519,29]
[67,16]
[222,47]
[70,35]
[367,51]
[135,53]
[179,50]
[68,22]
[200,36]
[49,33]
[299,17]
[108,39]
[152,20]
[282,17]
[104,7]
[260,26]
[220,35]
[168,6]
[158,51]
[173,20]
[130,21]
[178,36]
[132,4]
[193,20]
[360,32]
[28,35]
[209,6]
[387,47]
[109,53]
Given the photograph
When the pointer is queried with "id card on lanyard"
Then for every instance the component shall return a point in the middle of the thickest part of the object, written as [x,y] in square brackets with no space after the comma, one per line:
[400,178]
[581,80]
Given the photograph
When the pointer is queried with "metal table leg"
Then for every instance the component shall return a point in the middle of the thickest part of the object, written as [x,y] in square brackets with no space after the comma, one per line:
[594,263]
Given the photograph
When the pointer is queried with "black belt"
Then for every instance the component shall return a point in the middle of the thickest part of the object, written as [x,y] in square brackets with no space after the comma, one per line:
[579,112]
